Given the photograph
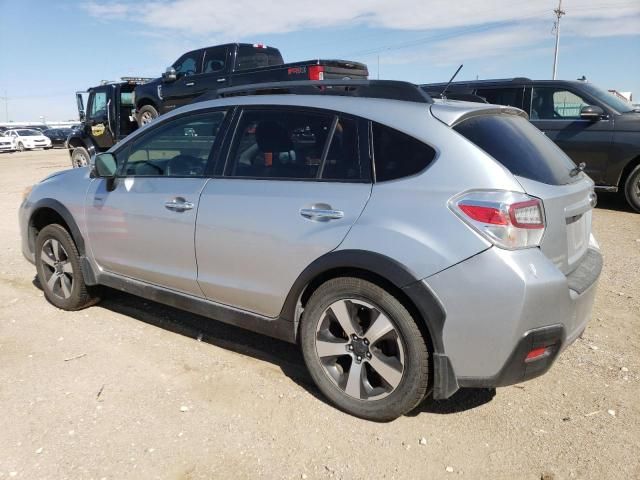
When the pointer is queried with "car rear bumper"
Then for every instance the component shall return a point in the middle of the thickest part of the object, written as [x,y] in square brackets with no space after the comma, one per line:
[501,305]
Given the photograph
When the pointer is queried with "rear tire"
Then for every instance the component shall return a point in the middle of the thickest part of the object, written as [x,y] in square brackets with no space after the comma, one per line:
[379,370]
[632,189]
[59,271]
[146,114]
[80,157]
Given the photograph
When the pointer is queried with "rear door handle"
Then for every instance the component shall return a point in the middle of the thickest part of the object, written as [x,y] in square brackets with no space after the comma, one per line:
[221,80]
[321,214]
[178,204]
[190,84]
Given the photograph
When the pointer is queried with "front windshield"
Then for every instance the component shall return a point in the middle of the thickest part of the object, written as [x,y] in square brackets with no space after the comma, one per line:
[610,99]
[28,133]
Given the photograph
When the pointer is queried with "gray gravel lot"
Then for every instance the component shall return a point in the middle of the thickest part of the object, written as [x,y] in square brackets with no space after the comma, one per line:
[125,390]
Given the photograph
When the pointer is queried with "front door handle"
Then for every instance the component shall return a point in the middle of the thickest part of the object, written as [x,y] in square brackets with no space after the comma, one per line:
[221,80]
[190,84]
[178,204]
[321,214]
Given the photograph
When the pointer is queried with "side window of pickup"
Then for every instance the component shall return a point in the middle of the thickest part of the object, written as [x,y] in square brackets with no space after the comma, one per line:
[98,106]
[187,64]
[215,60]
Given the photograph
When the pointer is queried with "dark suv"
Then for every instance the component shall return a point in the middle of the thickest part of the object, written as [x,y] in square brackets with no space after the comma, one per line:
[590,124]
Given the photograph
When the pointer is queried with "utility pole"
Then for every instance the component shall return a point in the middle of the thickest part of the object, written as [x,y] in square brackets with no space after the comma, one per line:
[559,13]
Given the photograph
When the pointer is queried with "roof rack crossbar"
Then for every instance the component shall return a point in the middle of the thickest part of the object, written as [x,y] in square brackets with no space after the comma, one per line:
[384,89]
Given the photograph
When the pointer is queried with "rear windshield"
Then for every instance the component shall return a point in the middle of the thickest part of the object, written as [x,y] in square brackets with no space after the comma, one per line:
[256,57]
[523,149]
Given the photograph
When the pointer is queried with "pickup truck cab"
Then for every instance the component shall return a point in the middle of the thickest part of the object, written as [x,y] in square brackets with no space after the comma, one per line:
[207,69]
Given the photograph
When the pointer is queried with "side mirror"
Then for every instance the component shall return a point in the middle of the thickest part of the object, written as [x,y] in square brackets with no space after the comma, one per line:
[169,75]
[591,112]
[81,115]
[104,165]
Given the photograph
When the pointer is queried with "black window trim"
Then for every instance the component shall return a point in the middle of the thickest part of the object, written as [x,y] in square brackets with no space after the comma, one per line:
[214,153]
[360,123]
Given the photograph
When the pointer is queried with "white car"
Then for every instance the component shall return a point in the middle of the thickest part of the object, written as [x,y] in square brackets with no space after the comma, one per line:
[6,143]
[27,139]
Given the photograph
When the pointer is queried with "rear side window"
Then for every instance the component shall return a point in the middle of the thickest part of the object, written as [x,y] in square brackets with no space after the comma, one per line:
[397,155]
[284,144]
[502,96]
[256,57]
[523,149]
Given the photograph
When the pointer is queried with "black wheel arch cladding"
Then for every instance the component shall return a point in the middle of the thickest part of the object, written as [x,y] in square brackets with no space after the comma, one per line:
[423,299]
[64,213]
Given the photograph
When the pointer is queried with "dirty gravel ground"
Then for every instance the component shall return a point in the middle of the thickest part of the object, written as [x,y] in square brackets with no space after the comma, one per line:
[145,399]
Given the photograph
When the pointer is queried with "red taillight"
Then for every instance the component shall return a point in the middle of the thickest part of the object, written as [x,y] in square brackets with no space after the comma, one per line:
[316,72]
[510,220]
[537,354]
[484,214]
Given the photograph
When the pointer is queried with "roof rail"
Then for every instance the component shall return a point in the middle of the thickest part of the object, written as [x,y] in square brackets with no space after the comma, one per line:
[477,82]
[387,89]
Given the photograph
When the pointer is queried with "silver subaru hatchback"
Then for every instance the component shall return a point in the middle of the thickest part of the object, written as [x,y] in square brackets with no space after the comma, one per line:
[410,246]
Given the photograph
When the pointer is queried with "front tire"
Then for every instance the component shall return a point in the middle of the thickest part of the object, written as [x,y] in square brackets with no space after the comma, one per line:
[364,350]
[59,272]
[21,147]
[80,157]
[146,114]
[632,189]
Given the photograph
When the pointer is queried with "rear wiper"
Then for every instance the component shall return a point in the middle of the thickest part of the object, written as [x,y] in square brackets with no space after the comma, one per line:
[578,169]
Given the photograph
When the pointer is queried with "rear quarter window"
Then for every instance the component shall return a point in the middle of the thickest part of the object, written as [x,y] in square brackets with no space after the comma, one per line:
[397,155]
[523,149]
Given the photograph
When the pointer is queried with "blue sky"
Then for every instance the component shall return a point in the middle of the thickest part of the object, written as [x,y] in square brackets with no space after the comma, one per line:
[50,49]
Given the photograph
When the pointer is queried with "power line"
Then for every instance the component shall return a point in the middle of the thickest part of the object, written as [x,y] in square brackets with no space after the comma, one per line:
[436,37]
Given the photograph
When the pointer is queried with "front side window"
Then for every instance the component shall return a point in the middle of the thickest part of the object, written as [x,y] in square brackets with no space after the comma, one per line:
[215,60]
[397,155]
[99,105]
[548,103]
[287,144]
[187,64]
[180,148]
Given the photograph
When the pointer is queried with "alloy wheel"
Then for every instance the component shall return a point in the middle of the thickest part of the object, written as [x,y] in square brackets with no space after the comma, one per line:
[58,270]
[81,160]
[360,349]
[146,117]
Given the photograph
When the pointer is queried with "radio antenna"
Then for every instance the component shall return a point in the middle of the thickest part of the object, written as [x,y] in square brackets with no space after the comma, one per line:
[451,80]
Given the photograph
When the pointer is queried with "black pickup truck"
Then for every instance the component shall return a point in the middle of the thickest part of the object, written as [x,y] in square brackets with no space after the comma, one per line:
[207,69]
